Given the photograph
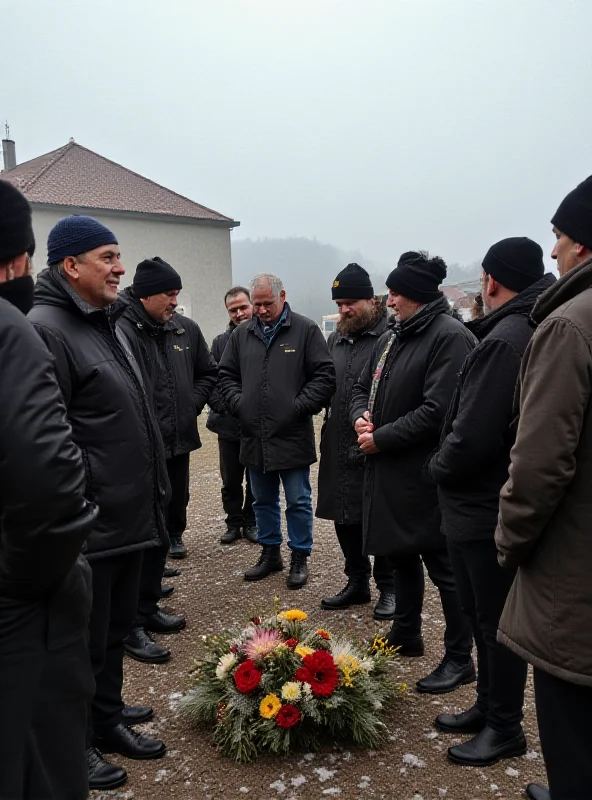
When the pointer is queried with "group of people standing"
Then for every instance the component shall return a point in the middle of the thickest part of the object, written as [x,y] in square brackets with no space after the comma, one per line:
[461,448]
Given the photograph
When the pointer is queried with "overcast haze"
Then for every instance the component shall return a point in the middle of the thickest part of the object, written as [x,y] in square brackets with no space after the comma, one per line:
[375,126]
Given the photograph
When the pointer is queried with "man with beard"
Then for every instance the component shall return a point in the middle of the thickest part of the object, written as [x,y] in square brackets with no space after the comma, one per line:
[470,469]
[545,513]
[46,680]
[362,319]
[113,424]
[397,408]
[236,501]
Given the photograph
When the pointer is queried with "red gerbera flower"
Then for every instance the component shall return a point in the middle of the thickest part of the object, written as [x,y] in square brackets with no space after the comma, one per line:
[288,716]
[247,677]
[320,671]
[291,643]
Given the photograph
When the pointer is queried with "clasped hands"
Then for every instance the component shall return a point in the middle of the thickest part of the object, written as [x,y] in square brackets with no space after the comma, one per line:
[364,428]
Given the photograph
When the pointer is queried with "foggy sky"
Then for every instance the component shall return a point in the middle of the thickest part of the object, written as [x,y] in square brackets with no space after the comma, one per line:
[374,126]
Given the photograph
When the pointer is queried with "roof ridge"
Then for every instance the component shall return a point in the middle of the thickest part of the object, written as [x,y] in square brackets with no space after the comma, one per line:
[57,154]
[147,180]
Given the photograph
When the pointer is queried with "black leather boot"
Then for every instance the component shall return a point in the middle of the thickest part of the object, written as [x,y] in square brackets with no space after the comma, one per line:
[230,535]
[298,575]
[447,677]
[129,743]
[406,648]
[487,748]
[251,533]
[166,591]
[137,715]
[140,646]
[385,608]
[161,622]
[536,792]
[269,561]
[353,593]
[171,572]
[177,548]
[473,720]
[102,774]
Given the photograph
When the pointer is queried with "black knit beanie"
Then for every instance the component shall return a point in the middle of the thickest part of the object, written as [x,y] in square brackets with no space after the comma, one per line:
[352,283]
[516,263]
[417,277]
[574,215]
[16,229]
[154,276]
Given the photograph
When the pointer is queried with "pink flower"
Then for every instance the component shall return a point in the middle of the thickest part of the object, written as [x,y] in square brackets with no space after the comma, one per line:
[261,644]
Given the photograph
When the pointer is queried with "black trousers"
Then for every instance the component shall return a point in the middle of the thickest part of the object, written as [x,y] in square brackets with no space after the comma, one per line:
[237,503]
[409,589]
[116,586]
[357,566]
[178,471]
[483,587]
[153,564]
[46,685]
[564,711]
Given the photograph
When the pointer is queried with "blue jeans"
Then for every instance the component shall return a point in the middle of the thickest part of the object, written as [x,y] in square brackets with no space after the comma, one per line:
[266,505]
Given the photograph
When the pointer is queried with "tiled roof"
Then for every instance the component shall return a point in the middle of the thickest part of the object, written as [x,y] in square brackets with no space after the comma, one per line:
[75,176]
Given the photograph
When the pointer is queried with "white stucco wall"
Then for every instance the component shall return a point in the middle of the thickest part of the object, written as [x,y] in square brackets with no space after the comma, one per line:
[200,253]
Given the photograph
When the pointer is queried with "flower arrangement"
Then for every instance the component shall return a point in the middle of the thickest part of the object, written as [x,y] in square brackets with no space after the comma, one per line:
[278,684]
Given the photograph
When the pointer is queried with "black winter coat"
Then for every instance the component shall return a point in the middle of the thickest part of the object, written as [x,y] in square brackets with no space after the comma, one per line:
[220,421]
[471,464]
[401,514]
[341,469]
[44,517]
[111,418]
[275,390]
[181,371]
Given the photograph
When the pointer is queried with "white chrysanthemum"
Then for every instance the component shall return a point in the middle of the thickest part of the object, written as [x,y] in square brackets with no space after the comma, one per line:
[226,662]
[367,665]
[341,651]
[306,690]
[291,691]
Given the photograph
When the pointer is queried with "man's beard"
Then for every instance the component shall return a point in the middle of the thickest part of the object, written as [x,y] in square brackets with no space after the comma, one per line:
[366,318]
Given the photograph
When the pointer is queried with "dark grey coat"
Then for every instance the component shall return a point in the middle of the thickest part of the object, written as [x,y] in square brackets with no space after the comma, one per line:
[401,514]
[341,469]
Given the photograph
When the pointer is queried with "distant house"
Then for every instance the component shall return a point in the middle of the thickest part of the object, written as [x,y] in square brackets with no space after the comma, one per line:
[147,219]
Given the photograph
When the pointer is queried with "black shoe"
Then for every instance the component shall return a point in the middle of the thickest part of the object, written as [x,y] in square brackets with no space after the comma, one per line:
[407,648]
[298,575]
[487,748]
[129,743]
[177,548]
[230,535]
[102,774]
[385,608]
[251,533]
[471,721]
[536,792]
[269,561]
[166,591]
[160,622]
[447,677]
[171,572]
[352,594]
[140,646]
[136,715]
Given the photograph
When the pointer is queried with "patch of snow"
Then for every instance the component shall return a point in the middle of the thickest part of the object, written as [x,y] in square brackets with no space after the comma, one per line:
[432,735]
[334,790]
[347,756]
[298,781]
[364,782]
[279,786]
[442,792]
[309,756]
[531,755]
[513,773]
[413,761]
[244,790]
[161,775]
[173,699]
[494,787]
[324,774]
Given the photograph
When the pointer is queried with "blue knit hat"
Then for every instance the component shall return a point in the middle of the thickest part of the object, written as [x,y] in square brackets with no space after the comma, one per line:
[74,235]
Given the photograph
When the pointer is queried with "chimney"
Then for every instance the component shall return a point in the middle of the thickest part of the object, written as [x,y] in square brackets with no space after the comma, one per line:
[9,154]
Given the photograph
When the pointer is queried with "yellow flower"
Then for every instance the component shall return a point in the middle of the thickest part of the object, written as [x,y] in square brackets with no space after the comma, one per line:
[349,666]
[302,650]
[293,615]
[291,691]
[269,706]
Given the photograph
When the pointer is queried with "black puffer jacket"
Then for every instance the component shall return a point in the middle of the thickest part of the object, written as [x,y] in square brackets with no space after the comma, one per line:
[220,421]
[274,391]
[471,464]
[181,371]
[111,417]
[401,513]
[44,517]
[341,470]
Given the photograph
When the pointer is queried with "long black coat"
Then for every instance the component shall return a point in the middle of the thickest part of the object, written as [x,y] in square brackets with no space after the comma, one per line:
[44,517]
[341,469]
[401,514]
[471,464]
[111,418]
[181,371]
[220,420]
[275,390]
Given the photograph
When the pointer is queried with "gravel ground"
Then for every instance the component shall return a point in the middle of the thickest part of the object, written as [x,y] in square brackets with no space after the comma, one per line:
[213,595]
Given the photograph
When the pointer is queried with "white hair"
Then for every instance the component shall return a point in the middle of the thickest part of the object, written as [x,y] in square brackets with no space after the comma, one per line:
[275,284]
